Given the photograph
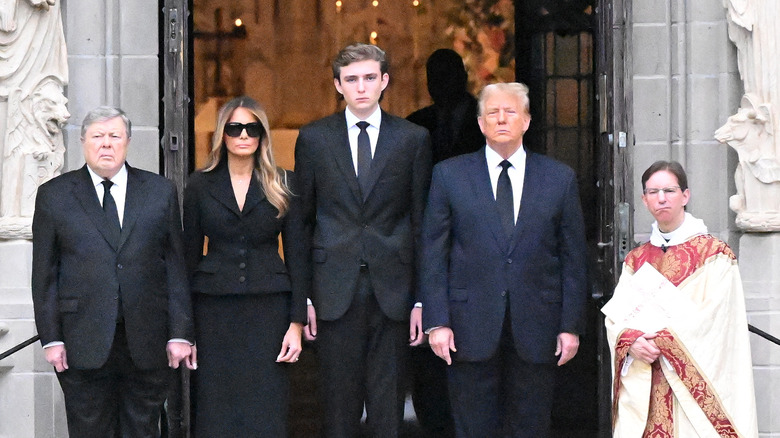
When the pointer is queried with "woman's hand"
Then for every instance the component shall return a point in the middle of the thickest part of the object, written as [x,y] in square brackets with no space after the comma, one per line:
[291,344]
[644,349]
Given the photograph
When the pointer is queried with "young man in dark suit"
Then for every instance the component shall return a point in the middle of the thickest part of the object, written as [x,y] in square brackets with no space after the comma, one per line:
[503,274]
[363,179]
[109,285]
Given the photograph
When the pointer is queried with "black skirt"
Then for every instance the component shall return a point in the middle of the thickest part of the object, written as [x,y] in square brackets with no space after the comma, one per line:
[239,390]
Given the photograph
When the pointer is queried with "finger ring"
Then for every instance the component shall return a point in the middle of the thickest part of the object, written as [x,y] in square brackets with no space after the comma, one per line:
[296,359]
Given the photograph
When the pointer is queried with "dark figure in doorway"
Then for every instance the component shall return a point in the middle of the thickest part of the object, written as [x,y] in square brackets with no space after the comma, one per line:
[452,119]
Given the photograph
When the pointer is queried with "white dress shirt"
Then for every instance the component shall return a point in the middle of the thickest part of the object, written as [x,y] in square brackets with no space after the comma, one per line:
[118,190]
[374,120]
[516,173]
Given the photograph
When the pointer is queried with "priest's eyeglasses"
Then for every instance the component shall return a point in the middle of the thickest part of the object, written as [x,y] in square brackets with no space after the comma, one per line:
[671,190]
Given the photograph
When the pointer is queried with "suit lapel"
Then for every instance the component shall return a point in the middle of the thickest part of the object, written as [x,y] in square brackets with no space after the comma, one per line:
[483,194]
[385,144]
[254,195]
[342,154]
[533,176]
[221,189]
[84,191]
[135,197]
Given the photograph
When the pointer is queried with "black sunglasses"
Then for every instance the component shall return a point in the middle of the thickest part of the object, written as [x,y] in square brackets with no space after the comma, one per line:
[234,129]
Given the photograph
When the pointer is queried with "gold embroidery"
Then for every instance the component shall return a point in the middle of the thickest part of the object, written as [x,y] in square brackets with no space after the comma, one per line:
[660,419]
[679,261]
[696,384]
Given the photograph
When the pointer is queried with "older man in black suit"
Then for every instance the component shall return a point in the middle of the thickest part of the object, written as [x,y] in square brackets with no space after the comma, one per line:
[363,178]
[109,285]
[503,274]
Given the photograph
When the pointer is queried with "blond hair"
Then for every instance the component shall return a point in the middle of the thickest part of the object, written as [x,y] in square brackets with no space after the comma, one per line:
[273,183]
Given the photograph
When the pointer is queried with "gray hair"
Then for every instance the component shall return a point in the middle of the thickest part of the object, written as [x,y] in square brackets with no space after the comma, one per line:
[101,114]
[518,89]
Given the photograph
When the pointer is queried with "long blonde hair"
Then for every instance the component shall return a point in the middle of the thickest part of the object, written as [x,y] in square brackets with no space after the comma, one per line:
[272,182]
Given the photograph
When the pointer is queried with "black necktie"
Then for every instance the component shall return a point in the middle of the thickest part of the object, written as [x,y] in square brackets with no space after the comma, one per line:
[109,206]
[363,158]
[505,200]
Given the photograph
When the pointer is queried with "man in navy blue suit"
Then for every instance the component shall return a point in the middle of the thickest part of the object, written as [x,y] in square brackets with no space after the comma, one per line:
[503,274]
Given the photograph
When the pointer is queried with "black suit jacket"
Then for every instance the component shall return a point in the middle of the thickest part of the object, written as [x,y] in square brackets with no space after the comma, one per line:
[243,245]
[77,274]
[469,269]
[342,230]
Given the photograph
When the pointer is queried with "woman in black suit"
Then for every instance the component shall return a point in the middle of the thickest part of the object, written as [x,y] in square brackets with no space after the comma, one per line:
[249,309]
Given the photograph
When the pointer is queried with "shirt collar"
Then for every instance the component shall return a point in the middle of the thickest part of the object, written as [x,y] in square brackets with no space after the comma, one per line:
[691,227]
[120,179]
[494,160]
[375,119]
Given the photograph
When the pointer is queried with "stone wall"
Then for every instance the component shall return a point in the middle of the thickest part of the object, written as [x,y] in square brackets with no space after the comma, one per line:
[112,60]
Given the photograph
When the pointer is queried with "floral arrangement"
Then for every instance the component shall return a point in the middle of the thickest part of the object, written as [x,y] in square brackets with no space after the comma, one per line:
[482,32]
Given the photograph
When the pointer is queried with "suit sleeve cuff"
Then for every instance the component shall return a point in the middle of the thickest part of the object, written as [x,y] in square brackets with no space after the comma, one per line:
[428,332]
[180,340]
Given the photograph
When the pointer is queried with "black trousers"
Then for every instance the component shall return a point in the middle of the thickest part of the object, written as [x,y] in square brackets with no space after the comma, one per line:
[429,392]
[504,396]
[116,400]
[362,360]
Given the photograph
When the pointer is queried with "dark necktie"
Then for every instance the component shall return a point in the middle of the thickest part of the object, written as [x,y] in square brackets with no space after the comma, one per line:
[363,158]
[109,206]
[505,200]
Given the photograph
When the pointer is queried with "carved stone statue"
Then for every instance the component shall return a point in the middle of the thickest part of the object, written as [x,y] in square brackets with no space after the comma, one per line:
[750,133]
[753,131]
[33,74]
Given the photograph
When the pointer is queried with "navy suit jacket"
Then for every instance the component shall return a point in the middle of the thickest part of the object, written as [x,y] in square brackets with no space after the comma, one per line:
[469,268]
[78,274]
[343,230]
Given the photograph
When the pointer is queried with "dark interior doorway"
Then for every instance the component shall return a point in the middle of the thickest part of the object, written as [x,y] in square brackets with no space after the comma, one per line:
[555,58]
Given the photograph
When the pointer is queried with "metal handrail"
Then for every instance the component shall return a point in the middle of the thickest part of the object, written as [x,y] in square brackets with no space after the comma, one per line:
[18,347]
[763,334]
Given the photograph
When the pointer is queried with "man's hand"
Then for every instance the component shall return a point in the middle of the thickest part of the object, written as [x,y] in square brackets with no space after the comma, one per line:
[416,335]
[442,340]
[57,357]
[291,344]
[644,348]
[566,347]
[310,330]
[182,351]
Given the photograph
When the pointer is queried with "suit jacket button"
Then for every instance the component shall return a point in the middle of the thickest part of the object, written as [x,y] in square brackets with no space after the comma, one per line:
[509,261]
[242,252]
[242,265]
[241,279]
[503,293]
[120,266]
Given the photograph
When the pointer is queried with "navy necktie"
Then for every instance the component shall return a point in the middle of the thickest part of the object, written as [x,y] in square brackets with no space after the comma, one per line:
[363,158]
[505,199]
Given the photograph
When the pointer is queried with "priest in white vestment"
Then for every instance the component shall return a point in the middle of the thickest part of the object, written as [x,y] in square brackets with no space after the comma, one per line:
[677,327]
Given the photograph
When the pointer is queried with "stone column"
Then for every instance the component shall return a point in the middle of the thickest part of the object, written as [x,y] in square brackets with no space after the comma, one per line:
[754,132]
